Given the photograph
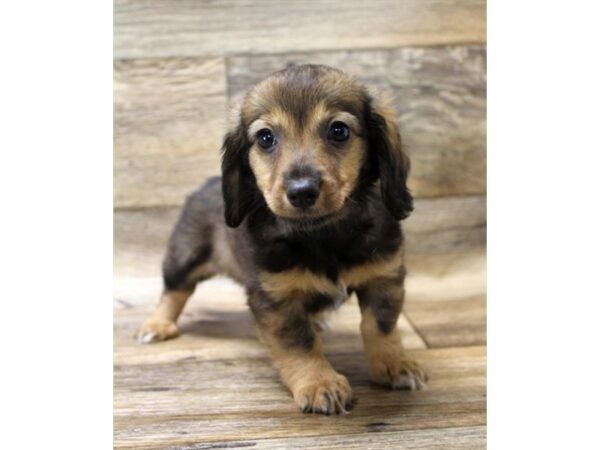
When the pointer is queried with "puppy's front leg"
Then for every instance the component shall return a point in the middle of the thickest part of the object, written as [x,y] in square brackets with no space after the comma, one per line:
[296,351]
[381,302]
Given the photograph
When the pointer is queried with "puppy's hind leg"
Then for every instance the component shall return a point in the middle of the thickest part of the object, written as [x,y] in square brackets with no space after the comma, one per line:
[188,261]
[162,323]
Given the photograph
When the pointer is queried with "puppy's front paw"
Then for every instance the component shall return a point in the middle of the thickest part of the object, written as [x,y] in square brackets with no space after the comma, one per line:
[155,331]
[328,393]
[397,371]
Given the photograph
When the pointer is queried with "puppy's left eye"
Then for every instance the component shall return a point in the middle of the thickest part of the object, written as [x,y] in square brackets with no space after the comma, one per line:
[338,132]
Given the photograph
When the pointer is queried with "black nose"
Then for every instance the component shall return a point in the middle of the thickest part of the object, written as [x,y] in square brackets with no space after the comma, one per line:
[303,191]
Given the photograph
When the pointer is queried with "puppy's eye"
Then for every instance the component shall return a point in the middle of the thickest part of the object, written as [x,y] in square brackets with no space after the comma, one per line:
[265,139]
[338,132]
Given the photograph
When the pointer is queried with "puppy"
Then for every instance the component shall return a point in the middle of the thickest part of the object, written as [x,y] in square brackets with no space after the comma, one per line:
[306,212]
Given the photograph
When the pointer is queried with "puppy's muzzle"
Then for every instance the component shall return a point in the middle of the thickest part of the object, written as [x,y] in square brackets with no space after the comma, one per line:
[302,187]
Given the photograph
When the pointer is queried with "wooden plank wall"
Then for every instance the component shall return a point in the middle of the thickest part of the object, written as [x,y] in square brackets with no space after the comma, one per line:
[180,64]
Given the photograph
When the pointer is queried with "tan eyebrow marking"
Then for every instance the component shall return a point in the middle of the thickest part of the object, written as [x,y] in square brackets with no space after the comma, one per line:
[347,118]
[275,119]
[321,114]
[255,126]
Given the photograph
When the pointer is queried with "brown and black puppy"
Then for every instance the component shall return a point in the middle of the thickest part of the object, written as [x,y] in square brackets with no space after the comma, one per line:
[313,186]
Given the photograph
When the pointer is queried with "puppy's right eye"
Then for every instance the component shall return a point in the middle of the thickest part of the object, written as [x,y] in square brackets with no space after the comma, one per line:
[265,139]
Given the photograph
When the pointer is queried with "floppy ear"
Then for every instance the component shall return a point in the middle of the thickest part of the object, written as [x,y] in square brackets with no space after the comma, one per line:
[236,176]
[391,161]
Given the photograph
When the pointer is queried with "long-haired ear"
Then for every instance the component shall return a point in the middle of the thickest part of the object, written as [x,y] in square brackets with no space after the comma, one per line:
[235,176]
[392,163]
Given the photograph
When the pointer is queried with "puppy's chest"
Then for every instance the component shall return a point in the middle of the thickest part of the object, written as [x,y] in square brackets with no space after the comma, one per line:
[321,270]
[328,255]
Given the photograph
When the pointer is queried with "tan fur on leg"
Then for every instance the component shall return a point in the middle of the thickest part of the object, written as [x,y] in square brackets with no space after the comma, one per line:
[388,363]
[315,385]
[161,324]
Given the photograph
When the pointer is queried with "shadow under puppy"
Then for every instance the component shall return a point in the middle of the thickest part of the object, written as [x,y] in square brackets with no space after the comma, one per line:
[313,186]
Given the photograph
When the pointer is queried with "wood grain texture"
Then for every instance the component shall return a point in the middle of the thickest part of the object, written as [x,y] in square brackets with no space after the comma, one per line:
[450,323]
[176,28]
[446,439]
[440,97]
[446,213]
[441,241]
[446,298]
[193,401]
[169,121]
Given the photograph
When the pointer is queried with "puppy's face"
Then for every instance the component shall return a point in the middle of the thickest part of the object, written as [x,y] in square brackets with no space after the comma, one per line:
[307,137]
[307,142]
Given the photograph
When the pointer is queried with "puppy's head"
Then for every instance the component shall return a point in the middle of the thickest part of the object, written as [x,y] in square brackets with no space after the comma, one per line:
[308,138]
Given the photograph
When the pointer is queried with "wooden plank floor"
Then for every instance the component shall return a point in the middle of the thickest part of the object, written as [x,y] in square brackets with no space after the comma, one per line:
[214,387]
